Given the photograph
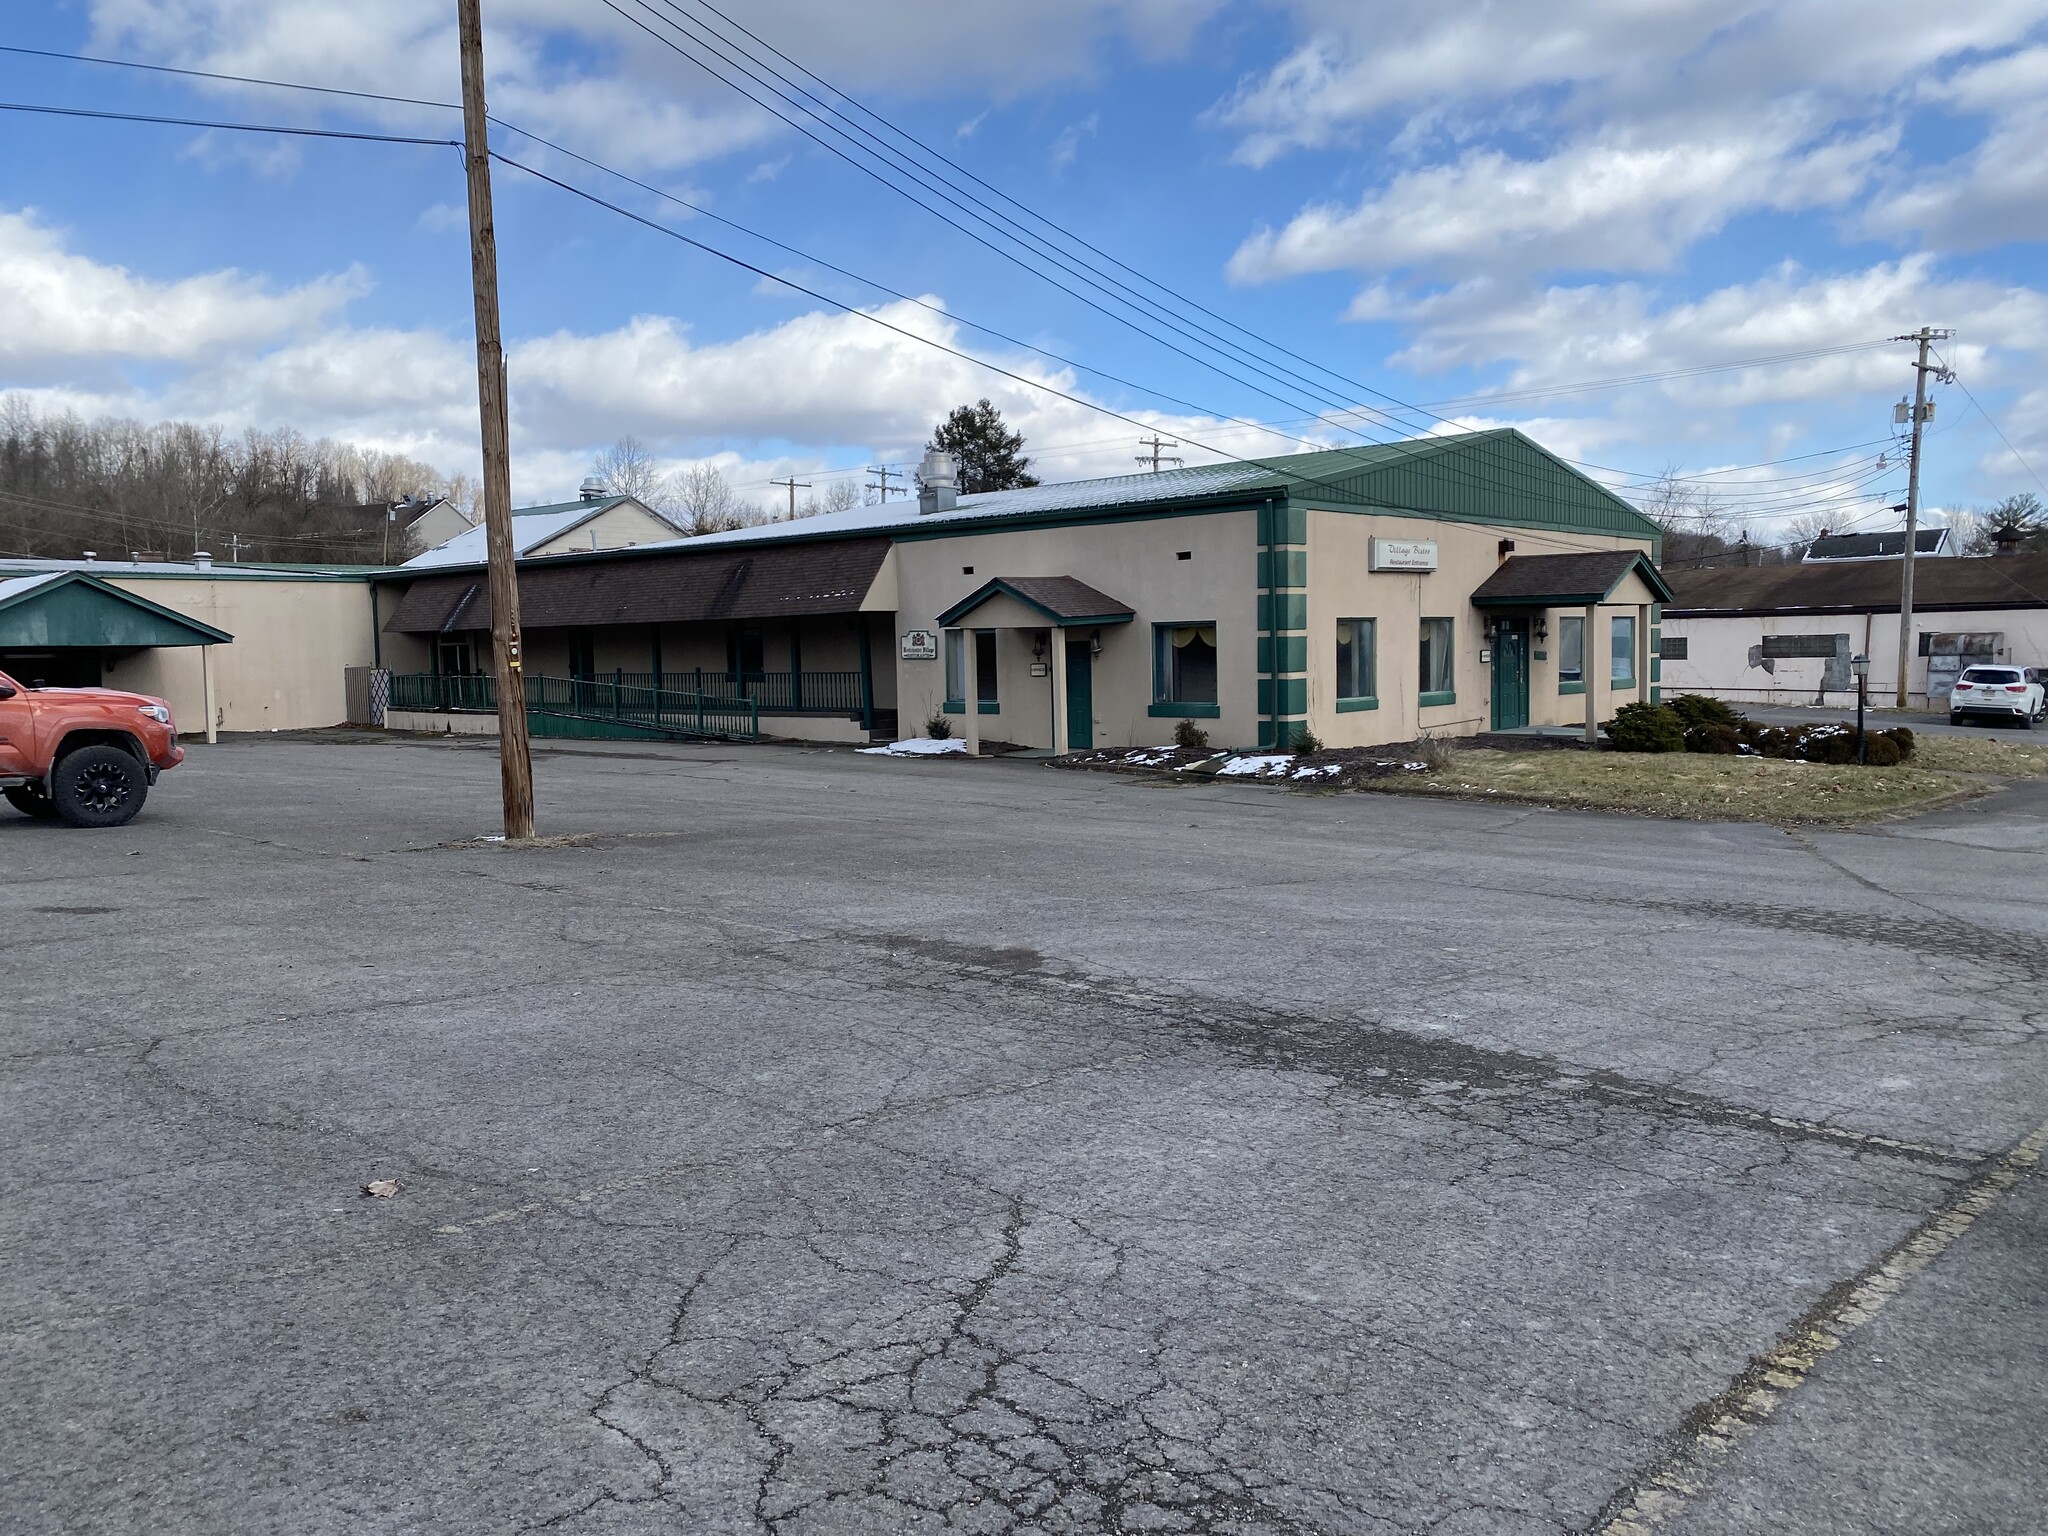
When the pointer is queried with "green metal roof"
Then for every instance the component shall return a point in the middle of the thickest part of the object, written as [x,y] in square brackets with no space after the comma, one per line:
[70,608]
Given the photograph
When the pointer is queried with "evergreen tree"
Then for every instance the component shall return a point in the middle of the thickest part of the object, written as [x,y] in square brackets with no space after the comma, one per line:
[990,456]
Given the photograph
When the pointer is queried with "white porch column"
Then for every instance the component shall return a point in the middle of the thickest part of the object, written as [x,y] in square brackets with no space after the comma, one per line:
[1056,653]
[206,689]
[1590,670]
[971,689]
[1643,652]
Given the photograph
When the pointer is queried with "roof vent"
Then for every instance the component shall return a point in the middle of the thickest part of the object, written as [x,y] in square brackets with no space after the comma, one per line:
[92,554]
[938,482]
[201,560]
[593,488]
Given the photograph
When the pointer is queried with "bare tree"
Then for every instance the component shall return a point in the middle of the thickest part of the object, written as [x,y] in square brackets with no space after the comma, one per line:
[117,486]
[628,469]
[841,495]
[1693,520]
[706,501]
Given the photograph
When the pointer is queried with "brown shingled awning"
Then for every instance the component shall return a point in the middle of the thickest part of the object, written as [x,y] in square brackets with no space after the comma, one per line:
[1063,600]
[1864,586]
[1566,581]
[758,582]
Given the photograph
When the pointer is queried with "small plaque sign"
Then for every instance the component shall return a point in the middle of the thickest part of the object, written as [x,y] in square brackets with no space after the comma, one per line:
[920,645]
[1402,555]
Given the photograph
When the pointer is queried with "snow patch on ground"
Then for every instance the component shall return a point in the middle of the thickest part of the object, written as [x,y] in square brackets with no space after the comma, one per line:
[917,746]
[1257,766]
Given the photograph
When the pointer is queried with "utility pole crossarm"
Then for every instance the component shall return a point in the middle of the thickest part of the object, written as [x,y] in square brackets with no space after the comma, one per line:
[515,762]
[883,474]
[794,485]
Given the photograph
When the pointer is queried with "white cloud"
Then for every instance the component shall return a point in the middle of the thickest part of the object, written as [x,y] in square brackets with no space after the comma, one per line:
[577,71]
[1068,144]
[65,309]
[1617,201]
[1997,192]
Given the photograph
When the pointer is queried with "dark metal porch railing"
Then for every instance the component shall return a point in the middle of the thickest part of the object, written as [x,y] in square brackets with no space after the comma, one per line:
[777,693]
[573,706]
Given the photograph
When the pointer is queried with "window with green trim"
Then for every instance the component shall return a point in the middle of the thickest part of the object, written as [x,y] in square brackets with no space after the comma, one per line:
[1571,649]
[985,666]
[1437,672]
[1622,644]
[1357,658]
[1184,663]
[956,669]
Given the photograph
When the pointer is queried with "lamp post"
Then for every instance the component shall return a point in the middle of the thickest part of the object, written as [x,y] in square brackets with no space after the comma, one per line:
[1860,665]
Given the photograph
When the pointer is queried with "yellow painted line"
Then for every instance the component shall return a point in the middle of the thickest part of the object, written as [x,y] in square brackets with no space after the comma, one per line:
[1759,1392]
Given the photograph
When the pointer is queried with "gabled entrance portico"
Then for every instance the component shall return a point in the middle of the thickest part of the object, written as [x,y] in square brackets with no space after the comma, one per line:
[1061,619]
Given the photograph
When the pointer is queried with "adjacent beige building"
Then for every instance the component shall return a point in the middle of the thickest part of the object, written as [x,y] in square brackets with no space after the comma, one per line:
[1446,585]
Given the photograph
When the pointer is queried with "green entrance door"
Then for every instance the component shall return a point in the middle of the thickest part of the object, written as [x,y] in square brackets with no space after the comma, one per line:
[1511,675]
[1080,696]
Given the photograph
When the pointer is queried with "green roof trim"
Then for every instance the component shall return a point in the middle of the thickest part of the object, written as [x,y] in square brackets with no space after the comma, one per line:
[74,609]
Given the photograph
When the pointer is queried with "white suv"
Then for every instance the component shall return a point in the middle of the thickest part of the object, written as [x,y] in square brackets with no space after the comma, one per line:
[1998,693]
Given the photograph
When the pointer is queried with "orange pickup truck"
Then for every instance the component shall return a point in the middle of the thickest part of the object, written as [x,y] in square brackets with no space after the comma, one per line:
[88,755]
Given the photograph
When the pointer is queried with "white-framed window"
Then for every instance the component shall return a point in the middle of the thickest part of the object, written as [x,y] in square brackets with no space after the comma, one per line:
[1622,647]
[985,666]
[1184,664]
[1571,649]
[956,668]
[1438,636]
[1357,658]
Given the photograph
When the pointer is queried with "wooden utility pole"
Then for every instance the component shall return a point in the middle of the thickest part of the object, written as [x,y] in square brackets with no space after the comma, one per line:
[515,761]
[884,474]
[1926,335]
[1155,443]
[794,485]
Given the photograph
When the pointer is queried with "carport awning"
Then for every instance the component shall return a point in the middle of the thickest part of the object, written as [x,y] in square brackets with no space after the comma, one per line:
[1063,600]
[670,586]
[71,609]
[1566,581]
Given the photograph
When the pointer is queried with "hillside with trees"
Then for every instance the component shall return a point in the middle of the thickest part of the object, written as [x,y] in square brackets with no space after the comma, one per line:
[118,487]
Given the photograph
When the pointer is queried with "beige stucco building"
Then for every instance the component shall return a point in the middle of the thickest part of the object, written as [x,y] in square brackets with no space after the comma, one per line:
[1446,585]
[264,648]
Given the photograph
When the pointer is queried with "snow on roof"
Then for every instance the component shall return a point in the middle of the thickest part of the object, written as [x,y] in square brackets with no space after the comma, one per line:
[531,528]
[10,567]
[18,586]
[1068,495]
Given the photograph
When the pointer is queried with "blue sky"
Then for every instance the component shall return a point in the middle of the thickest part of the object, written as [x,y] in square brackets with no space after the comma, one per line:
[1440,201]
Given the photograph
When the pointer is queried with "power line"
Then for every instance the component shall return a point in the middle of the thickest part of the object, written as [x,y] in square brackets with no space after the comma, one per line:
[1959,384]
[195,122]
[1225,422]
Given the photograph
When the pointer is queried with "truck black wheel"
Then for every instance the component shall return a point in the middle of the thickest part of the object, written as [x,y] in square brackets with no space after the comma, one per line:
[99,787]
[30,800]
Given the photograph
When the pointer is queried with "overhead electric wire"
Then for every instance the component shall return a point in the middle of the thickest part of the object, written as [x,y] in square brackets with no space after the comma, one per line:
[1992,424]
[1224,422]
[194,122]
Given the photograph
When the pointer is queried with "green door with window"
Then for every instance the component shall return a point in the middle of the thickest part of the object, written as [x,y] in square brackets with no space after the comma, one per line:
[1080,696]
[1511,675]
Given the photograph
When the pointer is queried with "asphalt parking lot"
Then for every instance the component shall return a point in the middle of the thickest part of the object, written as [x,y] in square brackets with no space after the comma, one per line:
[824,1144]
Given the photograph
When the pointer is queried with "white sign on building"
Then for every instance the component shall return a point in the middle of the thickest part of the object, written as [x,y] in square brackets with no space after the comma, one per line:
[920,645]
[1402,555]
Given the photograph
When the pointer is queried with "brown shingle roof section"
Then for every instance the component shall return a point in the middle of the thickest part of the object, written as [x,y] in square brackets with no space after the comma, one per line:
[1989,581]
[1560,580]
[761,582]
[1063,599]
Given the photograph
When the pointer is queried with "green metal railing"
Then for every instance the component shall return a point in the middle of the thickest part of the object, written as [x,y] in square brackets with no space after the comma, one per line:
[778,693]
[578,706]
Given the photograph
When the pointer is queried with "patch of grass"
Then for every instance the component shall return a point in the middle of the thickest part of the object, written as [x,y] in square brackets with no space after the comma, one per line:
[1691,786]
[2021,758]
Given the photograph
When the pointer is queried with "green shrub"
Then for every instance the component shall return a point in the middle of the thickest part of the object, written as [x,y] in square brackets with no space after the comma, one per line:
[1901,736]
[938,727]
[1643,727]
[1836,748]
[1711,737]
[1191,736]
[1305,742]
[1880,751]
[1697,709]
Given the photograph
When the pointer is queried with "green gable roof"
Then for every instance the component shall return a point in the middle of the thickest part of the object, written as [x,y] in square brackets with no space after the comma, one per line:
[71,608]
